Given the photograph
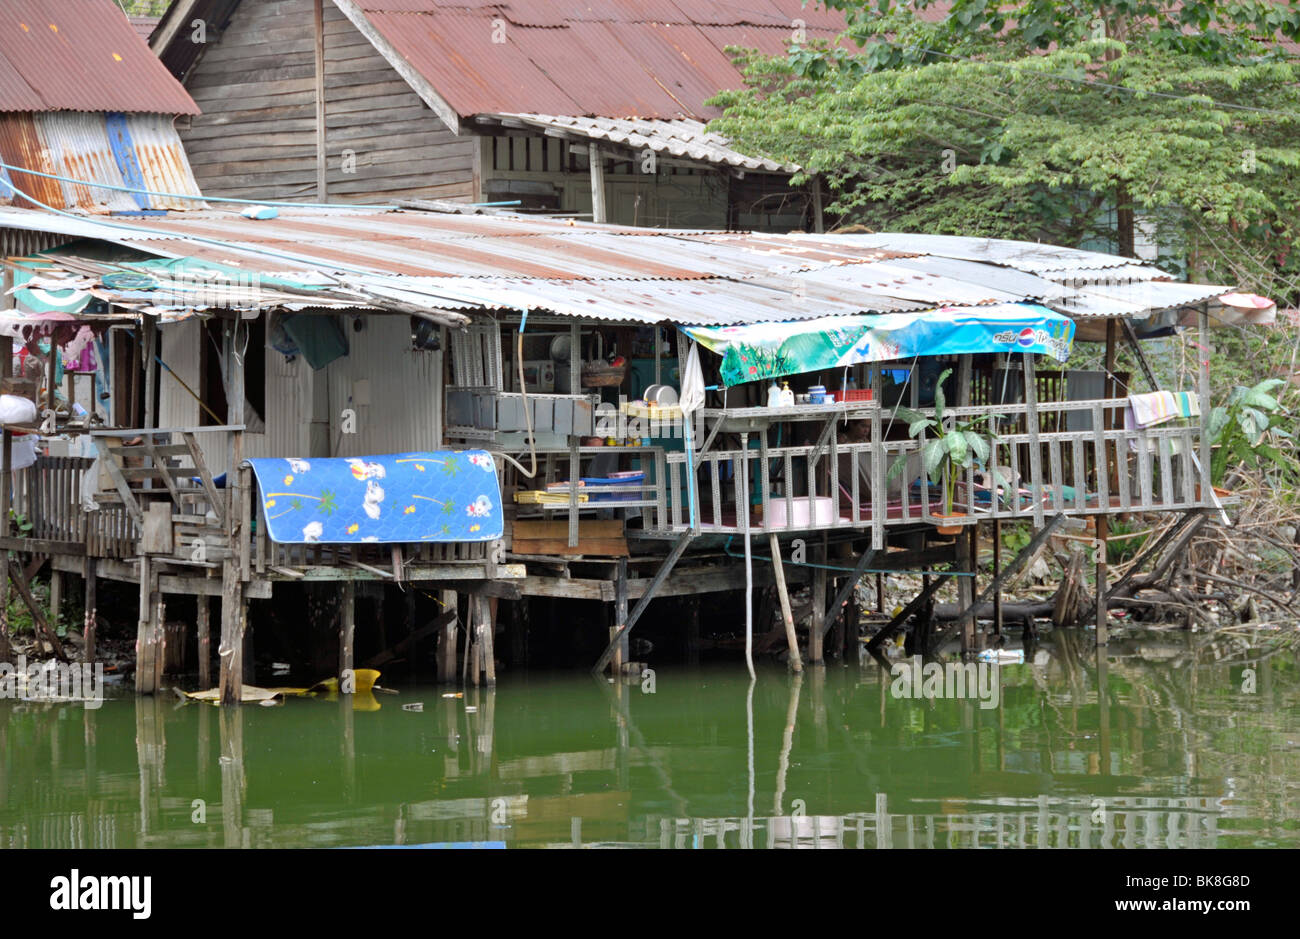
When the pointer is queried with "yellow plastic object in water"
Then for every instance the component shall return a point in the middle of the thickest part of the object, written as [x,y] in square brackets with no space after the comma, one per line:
[364,681]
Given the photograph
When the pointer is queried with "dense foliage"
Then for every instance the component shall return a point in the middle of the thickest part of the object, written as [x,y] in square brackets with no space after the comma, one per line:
[1089,124]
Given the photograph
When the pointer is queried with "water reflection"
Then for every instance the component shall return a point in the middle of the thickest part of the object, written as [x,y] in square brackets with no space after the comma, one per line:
[1177,741]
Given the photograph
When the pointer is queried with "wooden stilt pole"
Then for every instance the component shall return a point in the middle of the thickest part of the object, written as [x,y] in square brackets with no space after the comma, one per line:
[234,605]
[88,625]
[997,569]
[620,617]
[6,480]
[817,628]
[143,647]
[447,640]
[347,627]
[787,616]
[157,632]
[56,597]
[1103,521]
[475,640]
[204,617]
[231,650]
[487,632]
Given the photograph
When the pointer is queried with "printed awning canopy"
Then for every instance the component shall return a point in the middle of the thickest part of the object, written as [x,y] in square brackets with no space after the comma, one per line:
[770,350]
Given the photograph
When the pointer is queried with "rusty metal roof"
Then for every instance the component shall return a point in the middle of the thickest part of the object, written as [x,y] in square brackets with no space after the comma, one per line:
[467,263]
[612,58]
[81,55]
[140,151]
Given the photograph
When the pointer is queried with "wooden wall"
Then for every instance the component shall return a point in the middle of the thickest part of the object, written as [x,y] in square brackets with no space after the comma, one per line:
[256,138]
[673,197]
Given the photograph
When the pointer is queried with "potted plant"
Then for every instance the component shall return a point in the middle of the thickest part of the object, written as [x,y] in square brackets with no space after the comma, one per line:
[953,445]
[1238,429]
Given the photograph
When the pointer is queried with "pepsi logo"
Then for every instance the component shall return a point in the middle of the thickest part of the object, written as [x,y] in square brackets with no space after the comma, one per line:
[1026,337]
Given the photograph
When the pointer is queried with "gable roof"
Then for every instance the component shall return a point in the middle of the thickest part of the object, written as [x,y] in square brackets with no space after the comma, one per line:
[81,55]
[613,58]
[654,59]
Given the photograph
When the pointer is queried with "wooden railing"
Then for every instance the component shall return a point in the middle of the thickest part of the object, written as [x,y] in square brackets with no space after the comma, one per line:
[1029,475]
[47,497]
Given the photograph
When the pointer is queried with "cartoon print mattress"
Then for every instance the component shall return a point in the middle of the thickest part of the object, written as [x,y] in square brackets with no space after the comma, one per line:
[441,496]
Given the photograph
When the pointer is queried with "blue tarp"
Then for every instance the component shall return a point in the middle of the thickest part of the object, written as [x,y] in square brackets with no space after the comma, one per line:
[395,498]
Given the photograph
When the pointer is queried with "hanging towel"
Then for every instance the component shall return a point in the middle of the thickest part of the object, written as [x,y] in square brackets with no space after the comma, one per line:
[1188,403]
[1158,407]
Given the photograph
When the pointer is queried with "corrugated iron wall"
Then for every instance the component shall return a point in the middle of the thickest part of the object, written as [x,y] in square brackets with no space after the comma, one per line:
[288,398]
[136,150]
[404,387]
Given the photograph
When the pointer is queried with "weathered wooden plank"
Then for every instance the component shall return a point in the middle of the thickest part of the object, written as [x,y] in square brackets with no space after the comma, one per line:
[1035,452]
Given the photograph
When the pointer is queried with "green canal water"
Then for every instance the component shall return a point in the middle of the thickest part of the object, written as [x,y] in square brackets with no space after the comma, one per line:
[1174,740]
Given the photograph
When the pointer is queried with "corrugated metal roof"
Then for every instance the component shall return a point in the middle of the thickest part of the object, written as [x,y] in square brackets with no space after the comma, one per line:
[562,57]
[80,55]
[685,139]
[131,150]
[465,263]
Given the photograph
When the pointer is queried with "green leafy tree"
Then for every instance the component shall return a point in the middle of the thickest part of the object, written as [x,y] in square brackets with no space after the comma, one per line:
[1078,123]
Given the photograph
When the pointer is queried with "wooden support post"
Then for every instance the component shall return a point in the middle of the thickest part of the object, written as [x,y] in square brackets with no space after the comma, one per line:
[820,615]
[347,627]
[474,647]
[620,617]
[597,187]
[849,584]
[787,616]
[487,633]
[204,617]
[1011,570]
[1035,451]
[318,21]
[970,631]
[997,569]
[818,219]
[6,476]
[1103,520]
[915,604]
[157,632]
[88,624]
[231,650]
[1203,389]
[234,604]
[447,640]
[145,647]
[56,597]
[665,568]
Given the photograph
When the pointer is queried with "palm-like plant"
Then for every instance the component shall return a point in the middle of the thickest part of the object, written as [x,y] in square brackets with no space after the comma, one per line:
[954,444]
[1239,428]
